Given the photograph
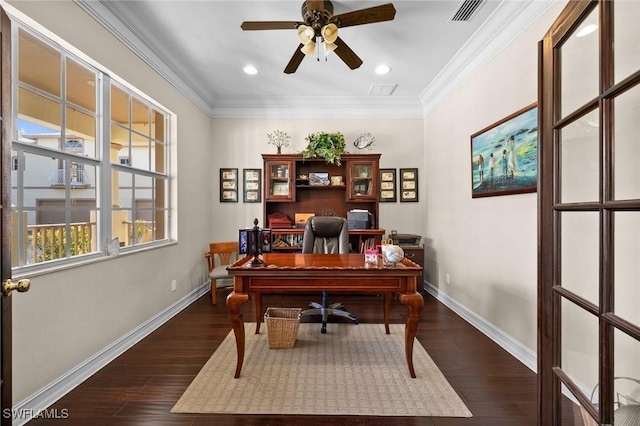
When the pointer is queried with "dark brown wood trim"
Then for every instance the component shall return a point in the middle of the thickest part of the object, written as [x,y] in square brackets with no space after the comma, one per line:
[6,137]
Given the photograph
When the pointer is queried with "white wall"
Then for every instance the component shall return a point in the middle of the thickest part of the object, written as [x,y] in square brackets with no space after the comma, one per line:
[240,143]
[70,315]
[487,246]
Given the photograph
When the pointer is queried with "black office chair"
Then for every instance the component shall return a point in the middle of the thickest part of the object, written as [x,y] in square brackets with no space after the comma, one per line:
[326,234]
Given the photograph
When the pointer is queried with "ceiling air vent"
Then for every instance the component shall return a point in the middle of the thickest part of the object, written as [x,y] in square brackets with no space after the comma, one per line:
[382,89]
[466,10]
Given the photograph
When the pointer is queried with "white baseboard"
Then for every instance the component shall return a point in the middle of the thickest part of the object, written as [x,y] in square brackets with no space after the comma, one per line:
[30,407]
[506,342]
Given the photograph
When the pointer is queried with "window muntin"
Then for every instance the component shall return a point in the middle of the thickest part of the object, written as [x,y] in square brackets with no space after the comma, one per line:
[61,207]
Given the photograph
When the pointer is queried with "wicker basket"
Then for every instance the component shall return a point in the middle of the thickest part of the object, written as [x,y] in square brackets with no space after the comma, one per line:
[282,326]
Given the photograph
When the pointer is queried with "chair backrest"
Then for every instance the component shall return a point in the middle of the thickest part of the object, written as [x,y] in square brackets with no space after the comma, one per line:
[326,234]
[225,252]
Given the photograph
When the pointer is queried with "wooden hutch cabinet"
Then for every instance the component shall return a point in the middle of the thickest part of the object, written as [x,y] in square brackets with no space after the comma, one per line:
[294,185]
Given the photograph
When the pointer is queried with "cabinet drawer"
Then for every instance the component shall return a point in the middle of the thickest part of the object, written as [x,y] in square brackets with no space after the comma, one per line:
[416,255]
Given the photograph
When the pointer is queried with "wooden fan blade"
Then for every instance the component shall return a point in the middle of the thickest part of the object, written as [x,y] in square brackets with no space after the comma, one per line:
[345,53]
[315,5]
[295,61]
[385,12]
[269,25]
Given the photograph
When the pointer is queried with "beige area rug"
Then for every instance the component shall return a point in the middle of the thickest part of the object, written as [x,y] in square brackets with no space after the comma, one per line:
[350,370]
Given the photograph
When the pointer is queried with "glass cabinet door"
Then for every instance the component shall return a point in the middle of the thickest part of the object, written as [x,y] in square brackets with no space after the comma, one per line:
[279,178]
[362,180]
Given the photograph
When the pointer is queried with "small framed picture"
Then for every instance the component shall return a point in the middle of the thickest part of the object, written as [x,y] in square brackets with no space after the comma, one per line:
[228,185]
[318,179]
[280,188]
[252,185]
[409,185]
[387,186]
[266,240]
[243,241]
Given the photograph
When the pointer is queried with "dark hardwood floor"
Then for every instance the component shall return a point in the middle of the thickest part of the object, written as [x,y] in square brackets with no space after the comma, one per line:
[141,386]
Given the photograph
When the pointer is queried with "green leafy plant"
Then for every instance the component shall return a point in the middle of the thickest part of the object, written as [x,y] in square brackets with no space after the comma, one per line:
[51,243]
[329,146]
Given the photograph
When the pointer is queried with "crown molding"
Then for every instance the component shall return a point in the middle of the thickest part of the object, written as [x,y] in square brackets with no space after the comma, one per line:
[117,26]
[321,107]
[506,23]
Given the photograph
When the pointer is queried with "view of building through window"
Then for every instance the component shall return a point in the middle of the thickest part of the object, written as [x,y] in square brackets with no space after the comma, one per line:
[63,203]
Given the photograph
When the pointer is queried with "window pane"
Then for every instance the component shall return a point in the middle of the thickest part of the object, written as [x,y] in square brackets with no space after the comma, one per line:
[580,160]
[82,127]
[59,222]
[39,110]
[81,85]
[119,106]
[140,118]
[627,383]
[121,220]
[627,34]
[579,65]
[119,137]
[626,265]
[580,248]
[38,64]
[143,188]
[162,210]
[122,189]
[140,152]
[157,158]
[158,126]
[627,149]
[139,217]
[580,346]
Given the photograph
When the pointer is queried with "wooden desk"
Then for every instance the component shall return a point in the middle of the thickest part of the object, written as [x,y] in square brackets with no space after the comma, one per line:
[336,273]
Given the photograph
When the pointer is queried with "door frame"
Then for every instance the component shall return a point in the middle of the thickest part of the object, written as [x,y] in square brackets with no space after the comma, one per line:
[5,230]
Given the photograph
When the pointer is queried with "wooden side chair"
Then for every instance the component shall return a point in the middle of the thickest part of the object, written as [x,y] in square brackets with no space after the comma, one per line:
[219,256]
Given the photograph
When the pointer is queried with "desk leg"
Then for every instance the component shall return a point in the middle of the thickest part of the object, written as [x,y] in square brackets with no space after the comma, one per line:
[414,304]
[234,301]
[387,310]
[257,297]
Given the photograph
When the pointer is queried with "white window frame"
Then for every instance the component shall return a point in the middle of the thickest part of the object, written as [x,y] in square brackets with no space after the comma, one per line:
[102,160]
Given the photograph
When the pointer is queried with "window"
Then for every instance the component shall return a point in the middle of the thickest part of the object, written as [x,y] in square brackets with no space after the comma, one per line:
[138,134]
[93,175]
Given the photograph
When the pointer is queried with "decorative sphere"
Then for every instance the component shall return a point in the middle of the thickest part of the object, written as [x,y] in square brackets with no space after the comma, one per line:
[392,253]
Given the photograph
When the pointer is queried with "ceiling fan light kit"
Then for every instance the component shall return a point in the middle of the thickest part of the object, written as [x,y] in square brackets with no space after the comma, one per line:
[320,27]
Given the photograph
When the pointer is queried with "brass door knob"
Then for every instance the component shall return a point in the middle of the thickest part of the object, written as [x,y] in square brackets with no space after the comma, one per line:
[8,286]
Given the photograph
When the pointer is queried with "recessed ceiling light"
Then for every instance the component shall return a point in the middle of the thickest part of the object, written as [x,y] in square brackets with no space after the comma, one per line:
[250,69]
[383,69]
[588,29]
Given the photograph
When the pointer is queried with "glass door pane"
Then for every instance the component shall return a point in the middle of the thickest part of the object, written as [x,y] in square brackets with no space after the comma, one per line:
[580,356]
[579,65]
[580,248]
[627,147]
[580,160]
[626,36]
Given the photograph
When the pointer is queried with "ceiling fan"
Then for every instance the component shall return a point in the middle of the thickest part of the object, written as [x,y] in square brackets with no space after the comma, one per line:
[320,28]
